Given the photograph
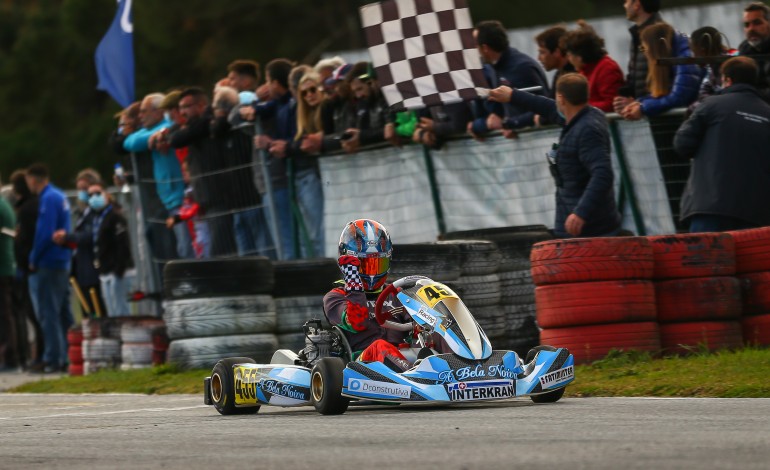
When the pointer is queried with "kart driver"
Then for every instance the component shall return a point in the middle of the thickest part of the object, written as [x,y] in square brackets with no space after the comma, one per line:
[365,249]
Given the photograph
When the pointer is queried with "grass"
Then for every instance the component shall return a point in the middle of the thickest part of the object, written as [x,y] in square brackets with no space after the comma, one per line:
[742,373]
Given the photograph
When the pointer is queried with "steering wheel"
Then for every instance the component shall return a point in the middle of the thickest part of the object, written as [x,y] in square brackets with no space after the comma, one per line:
[395,288]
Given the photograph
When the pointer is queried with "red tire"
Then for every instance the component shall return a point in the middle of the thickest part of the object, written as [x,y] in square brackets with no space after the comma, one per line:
[75,336]
[755,288]
[76,369]
[591,343]
[683,338]
[756,330]
[75,354]
[693,255]
[591,259]
[752,250]
[699,299]
[591,303]
[158,357]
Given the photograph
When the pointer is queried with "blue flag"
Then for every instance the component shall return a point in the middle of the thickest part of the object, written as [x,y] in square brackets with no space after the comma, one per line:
[115,57]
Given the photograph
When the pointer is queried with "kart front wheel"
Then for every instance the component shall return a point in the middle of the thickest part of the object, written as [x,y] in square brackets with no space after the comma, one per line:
[326,386]
[550,397]
[223,387]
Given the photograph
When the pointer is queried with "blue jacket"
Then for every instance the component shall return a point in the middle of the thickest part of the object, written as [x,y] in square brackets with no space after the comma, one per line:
[165,166]
[685,87]
[584,167]
[53,215]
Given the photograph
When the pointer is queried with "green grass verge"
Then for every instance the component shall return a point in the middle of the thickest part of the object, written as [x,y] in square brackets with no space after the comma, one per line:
[724,374]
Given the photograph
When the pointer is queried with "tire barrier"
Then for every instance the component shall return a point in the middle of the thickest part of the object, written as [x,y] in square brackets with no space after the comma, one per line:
[693,255]
[698,299]
[440,262]
[752,250]
[137,346]
[591,259]
[293,312]
[203,353]
[160,342]
[477,291]
[100,353]
[755,288]
[75,350]
[592,303]
[300,278]
[683,338]
[756,330]
[219,316]
[513,243]
[195,279]
[477,257]
[593,342]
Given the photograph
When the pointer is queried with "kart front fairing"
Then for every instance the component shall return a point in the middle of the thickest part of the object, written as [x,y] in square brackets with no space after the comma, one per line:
[436,308]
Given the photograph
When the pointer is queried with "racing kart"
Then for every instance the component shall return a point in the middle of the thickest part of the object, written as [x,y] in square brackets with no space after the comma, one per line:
[325,375]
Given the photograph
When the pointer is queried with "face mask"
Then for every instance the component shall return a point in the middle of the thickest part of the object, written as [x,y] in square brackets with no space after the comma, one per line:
[97,202]
[83,195]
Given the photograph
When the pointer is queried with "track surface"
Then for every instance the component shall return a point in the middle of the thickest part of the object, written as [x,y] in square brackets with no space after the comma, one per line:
[136,431]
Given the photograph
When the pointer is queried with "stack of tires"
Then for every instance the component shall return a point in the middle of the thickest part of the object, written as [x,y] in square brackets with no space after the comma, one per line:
[75,350]
[697,294]
[479,284]
[300,286]
[218,308]
[160,342]
[101,344]
[136,350]
[439,262]
[517,291]
[752,260]
[595,294]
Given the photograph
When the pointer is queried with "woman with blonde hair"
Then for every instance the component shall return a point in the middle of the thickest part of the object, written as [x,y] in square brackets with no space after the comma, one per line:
[670,86]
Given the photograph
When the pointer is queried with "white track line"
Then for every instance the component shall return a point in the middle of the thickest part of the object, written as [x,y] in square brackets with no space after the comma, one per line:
[103,413]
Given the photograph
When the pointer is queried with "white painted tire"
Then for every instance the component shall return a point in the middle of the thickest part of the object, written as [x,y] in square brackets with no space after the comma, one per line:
[219,316]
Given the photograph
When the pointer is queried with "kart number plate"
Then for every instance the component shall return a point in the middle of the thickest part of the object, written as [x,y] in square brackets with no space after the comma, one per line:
[481,390]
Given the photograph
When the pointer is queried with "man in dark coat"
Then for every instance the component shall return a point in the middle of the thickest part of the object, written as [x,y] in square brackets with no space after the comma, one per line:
[728,137]
[756,28]
[580,162]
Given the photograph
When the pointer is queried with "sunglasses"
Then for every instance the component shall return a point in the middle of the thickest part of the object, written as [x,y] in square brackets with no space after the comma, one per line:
[96,193]
[308,91]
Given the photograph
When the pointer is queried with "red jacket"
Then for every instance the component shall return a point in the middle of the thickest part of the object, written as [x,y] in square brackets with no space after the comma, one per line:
[604,80]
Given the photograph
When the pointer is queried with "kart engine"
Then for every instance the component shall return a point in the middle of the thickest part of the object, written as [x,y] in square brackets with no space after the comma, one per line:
[319,343]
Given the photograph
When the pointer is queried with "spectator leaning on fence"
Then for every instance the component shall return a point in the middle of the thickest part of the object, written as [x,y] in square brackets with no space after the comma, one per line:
[10,354]
[580,162]
[166,169]
[243,75]
[551,56]
[756,28]
[728,137]
[642,13]
[707,42]
[670,86]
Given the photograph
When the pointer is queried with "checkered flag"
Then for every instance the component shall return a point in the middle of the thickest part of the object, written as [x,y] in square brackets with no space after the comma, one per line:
[423,52]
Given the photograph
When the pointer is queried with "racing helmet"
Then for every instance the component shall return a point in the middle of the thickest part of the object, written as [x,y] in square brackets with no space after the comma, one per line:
[369,241]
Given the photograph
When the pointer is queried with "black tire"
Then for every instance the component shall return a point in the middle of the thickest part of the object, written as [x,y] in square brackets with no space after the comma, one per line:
[192,279]
[223,387]
[219,316]
[477,257]
[326,386]
[549,397]
[436,261]
[304,277]
[293,312]
[477,291]
[202,353]
[514,243]
[483,233]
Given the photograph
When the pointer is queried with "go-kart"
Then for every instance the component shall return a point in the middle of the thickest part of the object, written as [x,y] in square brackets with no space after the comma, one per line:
[325,375]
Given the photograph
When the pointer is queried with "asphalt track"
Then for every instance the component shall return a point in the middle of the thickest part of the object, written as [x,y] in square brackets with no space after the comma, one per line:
[177,431]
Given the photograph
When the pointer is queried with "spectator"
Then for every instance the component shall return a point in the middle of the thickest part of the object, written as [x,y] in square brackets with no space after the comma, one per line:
[166,170]
[326,67]
[49,268]
[128,123]
[756,27]
[586,53]
[235,149]
[727,138]
[373,122]
[307,176]
[207,164]
[112,250]
[170,105]
[670,87]
[580,162]
[190,215]
[551,56]
[26,206]
[707,42]
[511,68]
[243,75]
[642,13]
[81,240]
[10,355]
[437,123]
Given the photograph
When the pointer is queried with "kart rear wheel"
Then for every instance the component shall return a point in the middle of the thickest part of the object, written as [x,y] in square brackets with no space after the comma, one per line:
[326,386]
[223,387]
[550,397]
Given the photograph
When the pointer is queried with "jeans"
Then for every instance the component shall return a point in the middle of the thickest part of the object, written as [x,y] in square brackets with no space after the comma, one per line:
[115,292]
[310,199]
[252,236]
[184,249]
[49,291]
[202,239]
[716,223]
[285,223]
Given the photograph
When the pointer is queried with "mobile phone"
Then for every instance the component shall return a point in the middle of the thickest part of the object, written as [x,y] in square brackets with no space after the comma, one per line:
[346,136]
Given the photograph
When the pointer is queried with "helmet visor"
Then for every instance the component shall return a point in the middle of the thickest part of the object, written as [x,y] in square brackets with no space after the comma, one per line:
[374,266]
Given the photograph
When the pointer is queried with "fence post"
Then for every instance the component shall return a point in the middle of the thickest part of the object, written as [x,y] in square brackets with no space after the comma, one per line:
[434,189]
[626,185]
